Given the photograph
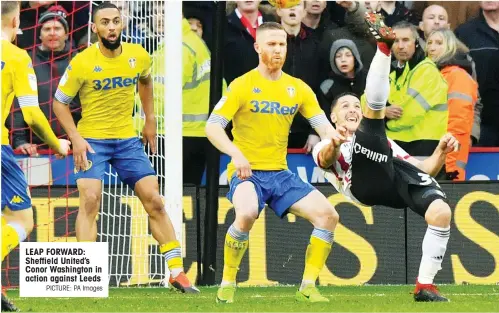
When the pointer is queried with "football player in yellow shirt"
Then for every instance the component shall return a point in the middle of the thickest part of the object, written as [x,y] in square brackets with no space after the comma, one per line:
[19,80]
[262,104]
[105,76]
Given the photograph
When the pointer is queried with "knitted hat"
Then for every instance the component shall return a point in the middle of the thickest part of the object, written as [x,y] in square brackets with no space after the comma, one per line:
[57,13]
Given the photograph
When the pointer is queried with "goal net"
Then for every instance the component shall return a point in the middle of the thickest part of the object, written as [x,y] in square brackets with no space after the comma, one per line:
[134,257]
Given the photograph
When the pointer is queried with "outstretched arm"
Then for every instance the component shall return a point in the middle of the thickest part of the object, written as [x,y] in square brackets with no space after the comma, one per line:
[327,152]
[433,164]
[25,89]
[34,117]
[325,130]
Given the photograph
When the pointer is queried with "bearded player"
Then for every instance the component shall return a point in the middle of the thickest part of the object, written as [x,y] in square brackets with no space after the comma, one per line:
[371,169]
[18,80]
[262,104]
[105,75]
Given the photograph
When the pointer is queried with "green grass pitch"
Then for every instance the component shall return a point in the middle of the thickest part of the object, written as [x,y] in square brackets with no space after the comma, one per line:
[464,298]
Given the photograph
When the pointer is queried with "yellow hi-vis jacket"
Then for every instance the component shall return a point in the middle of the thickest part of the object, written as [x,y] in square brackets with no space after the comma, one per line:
[421,92]
[196,71]
[196,61]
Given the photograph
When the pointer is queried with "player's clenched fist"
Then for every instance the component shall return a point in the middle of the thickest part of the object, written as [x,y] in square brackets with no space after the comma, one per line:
[331,151]
[448,143]
[243,167]
[340,136]
[64,146]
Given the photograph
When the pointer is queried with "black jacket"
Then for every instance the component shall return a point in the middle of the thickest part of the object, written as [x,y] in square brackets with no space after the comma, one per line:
[325,24]
[338,83]
[302,62]
[301,59]
[483,42]
[49,67]
[401,13]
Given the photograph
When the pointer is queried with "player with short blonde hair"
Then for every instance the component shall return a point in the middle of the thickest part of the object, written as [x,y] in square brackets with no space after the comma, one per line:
[106,76]
[262,104]
[19,80]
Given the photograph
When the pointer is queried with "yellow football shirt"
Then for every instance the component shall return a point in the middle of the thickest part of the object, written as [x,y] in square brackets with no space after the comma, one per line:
[262,112]
[18,79]
[106,88]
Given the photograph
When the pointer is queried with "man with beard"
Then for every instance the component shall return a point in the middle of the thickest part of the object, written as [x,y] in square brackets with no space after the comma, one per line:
[371,169]
[105,75]
[262,104]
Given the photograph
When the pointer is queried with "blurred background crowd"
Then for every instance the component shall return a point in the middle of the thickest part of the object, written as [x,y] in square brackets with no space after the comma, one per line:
[445,70]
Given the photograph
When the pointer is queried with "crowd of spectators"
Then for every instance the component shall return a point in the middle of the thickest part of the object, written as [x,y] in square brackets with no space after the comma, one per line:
[445,73]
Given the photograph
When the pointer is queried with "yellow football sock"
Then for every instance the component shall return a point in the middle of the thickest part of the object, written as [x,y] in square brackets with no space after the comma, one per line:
[11,236]
[236,244]
[173,254]
[317,252]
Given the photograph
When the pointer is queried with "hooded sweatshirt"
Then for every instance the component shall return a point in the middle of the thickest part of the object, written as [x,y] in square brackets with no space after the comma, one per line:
[339,83]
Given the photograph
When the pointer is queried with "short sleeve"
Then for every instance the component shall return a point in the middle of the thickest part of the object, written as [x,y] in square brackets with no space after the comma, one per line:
[70,82]
[25,82]
[310,105]
[228,105]
[331,174]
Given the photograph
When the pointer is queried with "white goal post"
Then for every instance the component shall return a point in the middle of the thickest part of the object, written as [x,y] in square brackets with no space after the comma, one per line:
[134,256]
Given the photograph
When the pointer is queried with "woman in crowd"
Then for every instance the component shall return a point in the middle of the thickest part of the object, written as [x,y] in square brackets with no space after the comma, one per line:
[451,57]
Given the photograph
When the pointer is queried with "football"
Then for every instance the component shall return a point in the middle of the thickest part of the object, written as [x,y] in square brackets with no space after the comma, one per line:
[284,4]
